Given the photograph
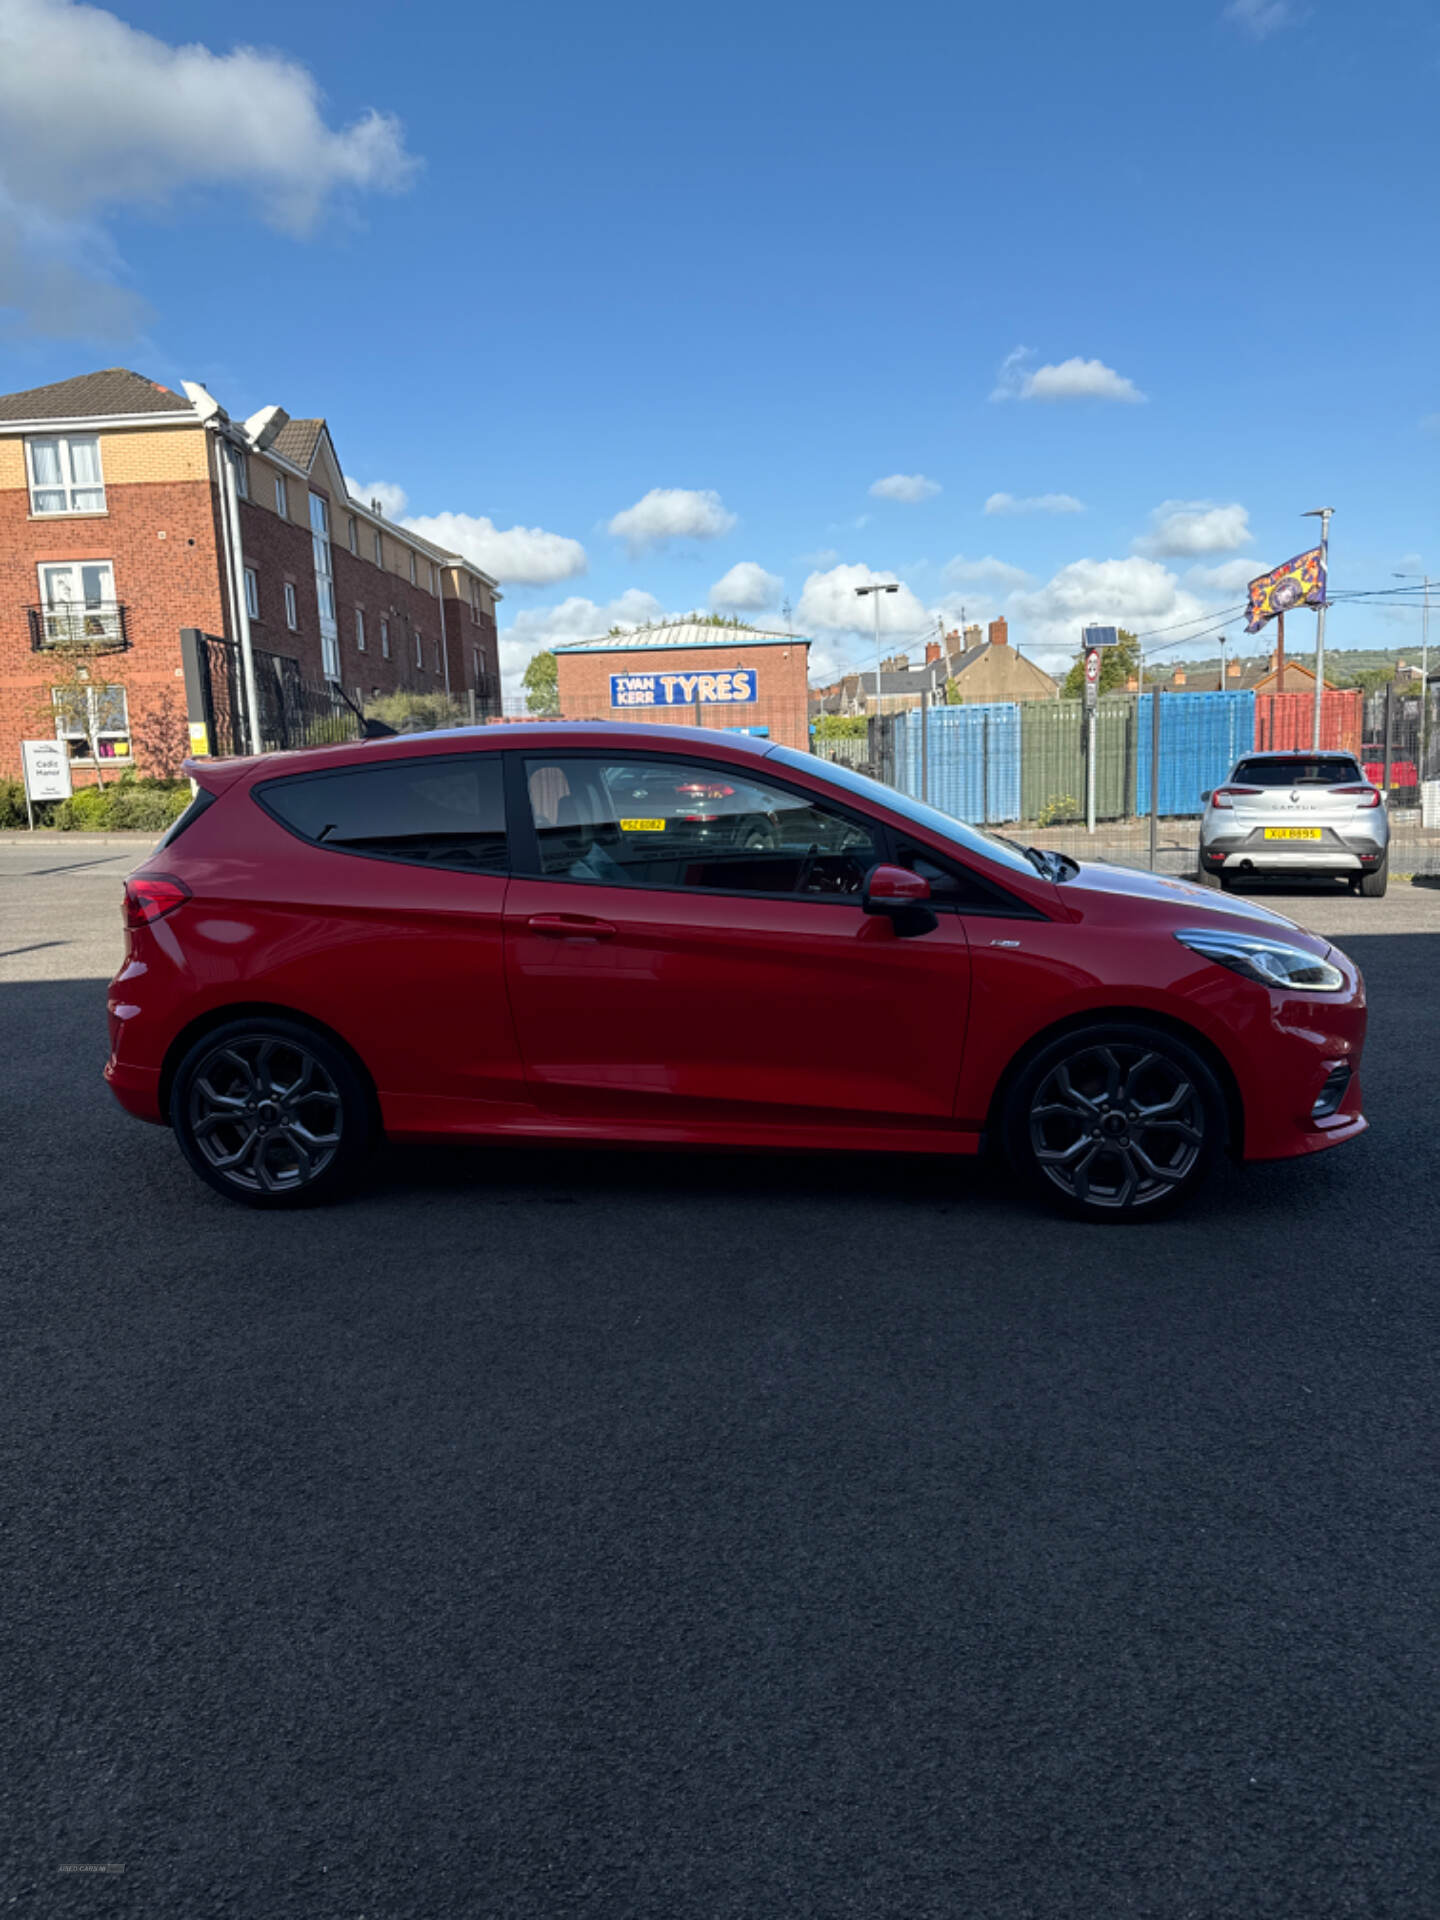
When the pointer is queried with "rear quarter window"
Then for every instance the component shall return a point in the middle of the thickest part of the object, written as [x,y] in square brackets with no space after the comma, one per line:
[425,811]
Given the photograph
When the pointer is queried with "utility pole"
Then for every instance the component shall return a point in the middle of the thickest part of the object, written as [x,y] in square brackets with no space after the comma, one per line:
[1322,514]
[877,587]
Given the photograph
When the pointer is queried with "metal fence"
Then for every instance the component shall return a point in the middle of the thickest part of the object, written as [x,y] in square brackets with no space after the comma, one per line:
[1023,764]
[293,712]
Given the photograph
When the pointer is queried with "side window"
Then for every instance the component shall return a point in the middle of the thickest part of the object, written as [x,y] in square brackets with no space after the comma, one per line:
[952,885]
[426,811]
[672,823]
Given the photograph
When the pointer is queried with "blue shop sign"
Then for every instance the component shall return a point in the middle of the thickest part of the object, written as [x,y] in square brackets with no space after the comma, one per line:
[739,686]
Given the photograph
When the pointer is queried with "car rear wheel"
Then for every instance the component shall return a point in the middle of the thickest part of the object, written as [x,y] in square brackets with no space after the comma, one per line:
[1207,877]
[1373,885]
[1115,1123]
[271,1113]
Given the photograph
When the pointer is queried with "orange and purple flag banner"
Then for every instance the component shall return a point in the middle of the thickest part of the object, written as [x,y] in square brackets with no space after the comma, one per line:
[1299,583]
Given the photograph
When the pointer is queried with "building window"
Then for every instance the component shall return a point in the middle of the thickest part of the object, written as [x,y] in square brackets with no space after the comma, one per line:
[252,594]
[475,665]
[438,668]
[77,600]
[282,502]
[434,581]
[413,571]
[476,607]
[379,549]
[385,639]
[242,474]
[352,533]
[419,655]
[359,629]
[292,611]
[65,474]
[92,720]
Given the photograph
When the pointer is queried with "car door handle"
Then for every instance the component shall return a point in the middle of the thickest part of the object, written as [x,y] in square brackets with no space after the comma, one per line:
[569,926]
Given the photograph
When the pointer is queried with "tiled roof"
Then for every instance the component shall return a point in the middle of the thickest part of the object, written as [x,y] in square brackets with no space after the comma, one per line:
[683,633]
[297,441]
[115,390]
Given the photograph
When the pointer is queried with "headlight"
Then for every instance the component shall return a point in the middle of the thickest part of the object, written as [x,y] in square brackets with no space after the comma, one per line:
[1270,962]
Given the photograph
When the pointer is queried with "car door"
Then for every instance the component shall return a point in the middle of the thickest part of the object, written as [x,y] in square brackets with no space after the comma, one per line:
[707,958]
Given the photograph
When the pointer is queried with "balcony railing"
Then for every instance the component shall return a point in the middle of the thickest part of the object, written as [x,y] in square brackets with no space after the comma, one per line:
[85,629]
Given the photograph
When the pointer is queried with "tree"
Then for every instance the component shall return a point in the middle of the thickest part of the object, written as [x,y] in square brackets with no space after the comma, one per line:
[78,697]
[1117,665]
[542,685]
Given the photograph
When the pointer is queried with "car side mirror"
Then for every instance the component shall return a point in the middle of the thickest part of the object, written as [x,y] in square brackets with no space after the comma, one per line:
[901,897]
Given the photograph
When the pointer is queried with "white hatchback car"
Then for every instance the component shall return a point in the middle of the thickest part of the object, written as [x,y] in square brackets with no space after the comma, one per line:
[1307,813]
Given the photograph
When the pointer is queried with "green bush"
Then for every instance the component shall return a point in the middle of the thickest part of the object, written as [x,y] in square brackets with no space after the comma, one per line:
[12,802]
[86,811]
[128,805]
[841,726]
[417,712]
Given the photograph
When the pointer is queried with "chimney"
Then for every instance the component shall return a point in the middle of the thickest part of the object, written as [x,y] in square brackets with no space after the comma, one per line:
[1232,672]
[972,637]
[999,633]
[932,652]
[377,509]
[1178,678]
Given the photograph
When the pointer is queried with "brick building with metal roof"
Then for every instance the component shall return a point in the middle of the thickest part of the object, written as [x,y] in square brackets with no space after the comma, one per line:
[690,671]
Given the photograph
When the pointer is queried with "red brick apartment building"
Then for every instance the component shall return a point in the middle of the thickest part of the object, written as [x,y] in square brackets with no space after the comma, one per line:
[687,673]
[113,539]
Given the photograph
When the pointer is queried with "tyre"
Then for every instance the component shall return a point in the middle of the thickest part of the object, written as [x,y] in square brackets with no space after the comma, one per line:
[1115,1122]
[1206,877]
[1373,885]
[271,1113]
[1227,881]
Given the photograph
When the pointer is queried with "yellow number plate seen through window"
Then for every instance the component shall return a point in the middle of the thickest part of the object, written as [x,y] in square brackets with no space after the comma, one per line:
[1292,833]
[642,826]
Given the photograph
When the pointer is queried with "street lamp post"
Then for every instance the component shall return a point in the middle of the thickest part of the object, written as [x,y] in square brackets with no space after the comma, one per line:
[1424,666]
[1322,514]
[877,587]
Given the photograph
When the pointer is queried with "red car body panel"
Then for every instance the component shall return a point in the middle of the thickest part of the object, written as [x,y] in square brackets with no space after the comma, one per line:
[550,1007]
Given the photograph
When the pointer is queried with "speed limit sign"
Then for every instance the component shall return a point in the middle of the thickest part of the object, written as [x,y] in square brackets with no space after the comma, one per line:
[1092,664]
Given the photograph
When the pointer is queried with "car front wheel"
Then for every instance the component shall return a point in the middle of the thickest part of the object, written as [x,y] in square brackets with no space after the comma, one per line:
[1115,1123]
[271,1113]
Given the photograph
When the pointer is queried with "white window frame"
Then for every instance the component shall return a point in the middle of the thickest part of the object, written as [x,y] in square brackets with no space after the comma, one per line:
[434,581]
[292,607]
[67,484]
[282,497]
[252,593]
[71,736]
[384,639]
[419,651]
[359,629]
[414,570]
[242,474]
[352,533]
[379,549]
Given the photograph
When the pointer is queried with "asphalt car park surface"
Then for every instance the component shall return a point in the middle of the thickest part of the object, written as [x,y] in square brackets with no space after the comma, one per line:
[622,1534]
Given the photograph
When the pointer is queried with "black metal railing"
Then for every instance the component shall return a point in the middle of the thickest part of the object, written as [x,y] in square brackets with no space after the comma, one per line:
[100,628]
[293,712]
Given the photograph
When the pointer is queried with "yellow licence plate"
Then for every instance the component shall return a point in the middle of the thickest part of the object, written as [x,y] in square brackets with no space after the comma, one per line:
[1293,833]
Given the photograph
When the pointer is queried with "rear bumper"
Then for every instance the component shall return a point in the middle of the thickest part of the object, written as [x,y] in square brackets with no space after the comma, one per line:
[1253,853]
[137,1089]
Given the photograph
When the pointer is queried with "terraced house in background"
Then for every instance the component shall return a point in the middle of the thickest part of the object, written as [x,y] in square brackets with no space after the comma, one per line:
[113,541]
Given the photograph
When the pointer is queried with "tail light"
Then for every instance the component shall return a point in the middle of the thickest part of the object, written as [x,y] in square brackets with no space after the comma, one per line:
[706,790]
[1222,795]
[150,896]
[1364,796]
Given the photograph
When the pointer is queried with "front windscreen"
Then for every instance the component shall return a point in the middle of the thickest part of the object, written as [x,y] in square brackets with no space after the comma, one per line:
[990,846]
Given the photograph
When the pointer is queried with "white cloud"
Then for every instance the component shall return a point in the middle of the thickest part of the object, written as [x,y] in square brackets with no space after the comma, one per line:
[536,628]
[830,604]
[96,115]
[1231,576]
[393,500]
[515,556]
[1034,503]
[746,588]
[1074,379]
[672,513]
[988,572]
[909,487]
[1260,18]
[1180,527]
[1134,593]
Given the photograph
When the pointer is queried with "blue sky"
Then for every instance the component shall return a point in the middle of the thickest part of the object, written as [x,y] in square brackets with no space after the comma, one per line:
[1160,276]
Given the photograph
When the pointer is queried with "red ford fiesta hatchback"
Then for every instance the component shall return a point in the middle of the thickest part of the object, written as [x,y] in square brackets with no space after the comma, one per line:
[672,937]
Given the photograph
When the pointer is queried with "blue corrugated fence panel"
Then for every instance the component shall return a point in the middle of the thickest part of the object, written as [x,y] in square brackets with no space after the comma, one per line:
[973,756]
[1202,735]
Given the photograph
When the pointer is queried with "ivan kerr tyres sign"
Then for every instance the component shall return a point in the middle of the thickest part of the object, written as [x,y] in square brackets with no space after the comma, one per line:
[737,688]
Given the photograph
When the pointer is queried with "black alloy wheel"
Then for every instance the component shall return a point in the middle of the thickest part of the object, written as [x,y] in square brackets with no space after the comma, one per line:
[1115,1123]
[270,1113]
